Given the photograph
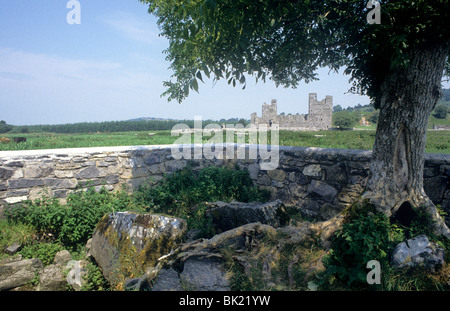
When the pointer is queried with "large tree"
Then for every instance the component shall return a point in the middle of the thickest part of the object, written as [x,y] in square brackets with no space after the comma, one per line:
[398,61]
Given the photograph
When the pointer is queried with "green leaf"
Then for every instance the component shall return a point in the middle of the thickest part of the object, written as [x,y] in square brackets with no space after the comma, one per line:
[199,76]
[205,70]
[212,4]
[194,85]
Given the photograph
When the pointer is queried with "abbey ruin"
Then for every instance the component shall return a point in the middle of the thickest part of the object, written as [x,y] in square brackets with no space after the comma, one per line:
[318,118]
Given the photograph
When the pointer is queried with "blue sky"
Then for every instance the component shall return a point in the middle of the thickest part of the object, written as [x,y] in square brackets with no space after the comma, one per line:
[111,67]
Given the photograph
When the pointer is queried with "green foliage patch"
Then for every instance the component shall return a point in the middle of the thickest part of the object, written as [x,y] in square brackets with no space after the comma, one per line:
[370,235]
[73,223]
[185,193]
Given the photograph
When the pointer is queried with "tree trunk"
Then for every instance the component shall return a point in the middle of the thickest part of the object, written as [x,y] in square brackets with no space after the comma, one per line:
[409,95]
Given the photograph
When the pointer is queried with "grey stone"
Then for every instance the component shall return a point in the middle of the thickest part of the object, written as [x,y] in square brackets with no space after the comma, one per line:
[56,183]
[112,179]
[14,200]
[63,173]
[435,187]
[313,170]
[52,279]
[17,193]
[337,175]
[5,173]
[25,183]
[60,194]
[14,163]
[227,216]
[264,180]
[12,249]
[278,175]
[152,158]
[88,172]
[418,252]
[322,190]
[62,257]
[17,273]
[167,280]
[175,165]
[205,274]
[446,170]
[253,170]
[38,170]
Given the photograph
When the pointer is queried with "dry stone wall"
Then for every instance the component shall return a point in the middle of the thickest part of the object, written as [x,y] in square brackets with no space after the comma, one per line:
[318,181]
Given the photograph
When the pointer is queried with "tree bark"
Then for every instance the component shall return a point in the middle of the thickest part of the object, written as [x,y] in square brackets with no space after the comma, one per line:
[409,95]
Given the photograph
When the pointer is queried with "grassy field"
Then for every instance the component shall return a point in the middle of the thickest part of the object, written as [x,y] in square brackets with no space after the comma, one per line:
[437,141]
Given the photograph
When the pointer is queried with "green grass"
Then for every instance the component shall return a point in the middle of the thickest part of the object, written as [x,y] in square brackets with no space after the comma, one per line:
[437,141]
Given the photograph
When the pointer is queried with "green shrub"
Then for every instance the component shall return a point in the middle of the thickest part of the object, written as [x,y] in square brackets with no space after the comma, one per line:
[344,119]
[46,214]
[94,279]
[14,233]
[73,223]
[44,251]
[182,193]
[440,111]
[360,241]
[86,208]
[370,235]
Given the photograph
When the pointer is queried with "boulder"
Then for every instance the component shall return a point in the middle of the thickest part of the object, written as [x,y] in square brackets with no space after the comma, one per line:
[205,274]
[62,257]
[418,252]
[52,279]
[322,190]
[124,237]
[17,273]
[167,280]
[201,262]
[227,216]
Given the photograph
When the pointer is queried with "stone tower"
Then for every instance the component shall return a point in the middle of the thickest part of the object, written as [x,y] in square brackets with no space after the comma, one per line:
[318,118]
[320,113]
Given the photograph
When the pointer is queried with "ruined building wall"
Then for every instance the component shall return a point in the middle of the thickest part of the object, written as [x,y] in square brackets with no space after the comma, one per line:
[318,118]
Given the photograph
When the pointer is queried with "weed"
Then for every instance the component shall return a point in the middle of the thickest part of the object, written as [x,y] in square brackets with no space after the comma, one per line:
[44,251]
[184,193]
[368,235]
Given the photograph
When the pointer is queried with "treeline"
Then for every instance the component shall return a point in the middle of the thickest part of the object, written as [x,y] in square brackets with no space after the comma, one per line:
[110,126]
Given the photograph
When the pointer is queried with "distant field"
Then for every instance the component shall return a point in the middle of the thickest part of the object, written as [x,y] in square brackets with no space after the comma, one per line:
[437,141]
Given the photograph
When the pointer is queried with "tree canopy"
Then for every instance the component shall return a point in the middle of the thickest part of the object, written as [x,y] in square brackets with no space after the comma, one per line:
[287,41]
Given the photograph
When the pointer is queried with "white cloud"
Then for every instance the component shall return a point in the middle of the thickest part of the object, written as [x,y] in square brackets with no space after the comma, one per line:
[131,27]
[41,88]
